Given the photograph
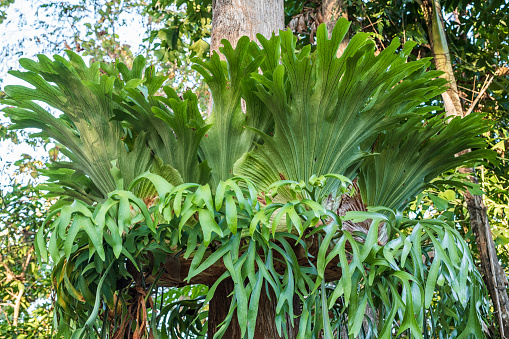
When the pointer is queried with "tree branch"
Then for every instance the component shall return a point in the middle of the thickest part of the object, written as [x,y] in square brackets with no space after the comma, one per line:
[485,86]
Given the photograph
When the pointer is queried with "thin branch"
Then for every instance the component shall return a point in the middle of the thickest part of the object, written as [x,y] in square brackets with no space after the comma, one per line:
[6,317]
[7,304]
[473,90]
[25,264]
[374,28]
[12,294]
[485,86]
[363,28]
[470,90]
[17,306]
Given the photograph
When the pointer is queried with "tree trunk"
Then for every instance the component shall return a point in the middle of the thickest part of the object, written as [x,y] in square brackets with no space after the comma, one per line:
[265,325]
[332,10]
[441,56]
[493,274]
[232,19]
[218,310]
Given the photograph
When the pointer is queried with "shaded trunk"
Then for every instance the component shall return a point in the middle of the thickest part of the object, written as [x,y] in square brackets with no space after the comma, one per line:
[218,311]
[265,324]
[232,19]
[493,274]
[332,10]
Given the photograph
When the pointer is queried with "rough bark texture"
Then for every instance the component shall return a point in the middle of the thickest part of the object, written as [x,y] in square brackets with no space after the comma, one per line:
[218,310]
[266,315]
[493,274]
[232,19]
[332,10]
[354,202]
[175,271]
[269,314]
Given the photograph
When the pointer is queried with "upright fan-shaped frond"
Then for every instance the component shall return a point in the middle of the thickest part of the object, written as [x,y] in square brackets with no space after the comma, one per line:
[329,110]
[228,137]
[410,156]
[91,138]
[176,138]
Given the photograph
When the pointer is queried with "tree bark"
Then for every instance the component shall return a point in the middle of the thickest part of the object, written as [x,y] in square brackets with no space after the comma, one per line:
[232,19]
[265,325]
[493,274]
[218,310]
[441,55]
[332,10]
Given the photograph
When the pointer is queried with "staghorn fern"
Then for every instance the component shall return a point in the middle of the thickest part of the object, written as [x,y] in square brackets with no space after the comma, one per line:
[328,111]
[399,281]
[307,115]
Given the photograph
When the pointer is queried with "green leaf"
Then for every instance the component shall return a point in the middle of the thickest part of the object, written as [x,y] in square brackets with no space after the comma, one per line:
[200,47]
[327,330]
[259,218]
[415,153]
[227,119]
[431,282]
[212,259]
[355,322]
[282,212]
[448,195]
[208,225]
[40,246]
[231,213]
[439,203]
[71,234]
[97,304]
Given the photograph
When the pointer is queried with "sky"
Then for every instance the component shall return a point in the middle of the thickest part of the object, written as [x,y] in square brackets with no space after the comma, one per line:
[28,21]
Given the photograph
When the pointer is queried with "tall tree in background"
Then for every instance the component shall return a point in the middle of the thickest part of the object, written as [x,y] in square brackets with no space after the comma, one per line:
[493,273]
[332,10]
[25,287]
[234,19]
